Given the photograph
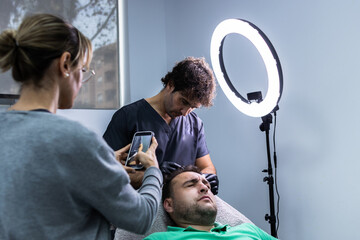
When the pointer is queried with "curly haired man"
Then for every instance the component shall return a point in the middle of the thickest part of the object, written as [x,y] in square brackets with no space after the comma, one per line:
[169,114]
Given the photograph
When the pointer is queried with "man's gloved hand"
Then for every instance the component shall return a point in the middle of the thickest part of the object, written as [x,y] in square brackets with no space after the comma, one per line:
[169,167]
[214,182]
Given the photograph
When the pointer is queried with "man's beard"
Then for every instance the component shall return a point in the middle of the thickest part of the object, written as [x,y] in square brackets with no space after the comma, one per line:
[196,214]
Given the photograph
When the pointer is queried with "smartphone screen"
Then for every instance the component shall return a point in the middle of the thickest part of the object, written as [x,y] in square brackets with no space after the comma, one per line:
[143,138]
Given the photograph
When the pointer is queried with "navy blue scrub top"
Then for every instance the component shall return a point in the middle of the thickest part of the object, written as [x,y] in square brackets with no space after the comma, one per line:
[182,141]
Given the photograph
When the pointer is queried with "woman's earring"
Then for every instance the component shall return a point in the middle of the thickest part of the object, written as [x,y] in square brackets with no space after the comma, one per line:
[67,75]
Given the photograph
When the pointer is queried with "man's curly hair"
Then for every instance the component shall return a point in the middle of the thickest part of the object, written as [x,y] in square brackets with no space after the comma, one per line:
[194,79]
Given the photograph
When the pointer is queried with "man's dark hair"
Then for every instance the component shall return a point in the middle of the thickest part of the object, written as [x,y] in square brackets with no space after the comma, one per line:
[193,78]
[167,187]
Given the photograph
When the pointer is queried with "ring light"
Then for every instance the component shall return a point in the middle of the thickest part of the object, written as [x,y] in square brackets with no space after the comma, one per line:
[269,56]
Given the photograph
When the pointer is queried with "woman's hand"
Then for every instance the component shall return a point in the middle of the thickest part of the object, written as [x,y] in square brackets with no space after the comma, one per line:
[121,155]
[148,158]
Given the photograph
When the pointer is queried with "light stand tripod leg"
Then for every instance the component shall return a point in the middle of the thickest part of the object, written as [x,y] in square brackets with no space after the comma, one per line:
[265,126]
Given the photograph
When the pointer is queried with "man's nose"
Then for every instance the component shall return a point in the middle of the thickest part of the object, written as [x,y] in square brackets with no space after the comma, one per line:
[203,188]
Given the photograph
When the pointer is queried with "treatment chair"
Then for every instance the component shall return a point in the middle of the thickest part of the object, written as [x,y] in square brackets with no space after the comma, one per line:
[226,215]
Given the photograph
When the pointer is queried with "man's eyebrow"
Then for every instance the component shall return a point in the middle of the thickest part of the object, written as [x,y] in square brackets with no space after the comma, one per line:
[205,181]
[196,180]
[185,101]
[193,180]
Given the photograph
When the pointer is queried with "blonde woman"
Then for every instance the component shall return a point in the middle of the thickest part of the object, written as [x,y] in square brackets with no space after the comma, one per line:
[58,180]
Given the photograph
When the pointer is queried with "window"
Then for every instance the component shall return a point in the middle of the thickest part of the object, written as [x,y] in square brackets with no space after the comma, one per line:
[96,19]
[109,94]
[99,98]
[110,75]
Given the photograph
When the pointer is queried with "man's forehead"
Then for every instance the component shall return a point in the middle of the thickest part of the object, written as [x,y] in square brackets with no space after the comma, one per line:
[186,176]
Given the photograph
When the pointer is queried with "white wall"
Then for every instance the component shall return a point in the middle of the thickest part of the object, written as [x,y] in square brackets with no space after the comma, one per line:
[147,47]
[96,120]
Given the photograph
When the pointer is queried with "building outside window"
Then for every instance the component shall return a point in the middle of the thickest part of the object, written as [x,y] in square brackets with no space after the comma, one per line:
[97,19]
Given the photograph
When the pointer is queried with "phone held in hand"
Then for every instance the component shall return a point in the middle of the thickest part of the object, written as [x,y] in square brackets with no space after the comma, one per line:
[144,138]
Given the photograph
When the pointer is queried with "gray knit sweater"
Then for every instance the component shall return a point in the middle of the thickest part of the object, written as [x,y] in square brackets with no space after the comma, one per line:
[58,180]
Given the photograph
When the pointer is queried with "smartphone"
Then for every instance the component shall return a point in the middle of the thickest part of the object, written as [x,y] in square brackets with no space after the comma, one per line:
[144,138]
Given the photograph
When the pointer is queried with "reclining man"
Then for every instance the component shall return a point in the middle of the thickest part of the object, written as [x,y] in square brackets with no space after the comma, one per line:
[191,205]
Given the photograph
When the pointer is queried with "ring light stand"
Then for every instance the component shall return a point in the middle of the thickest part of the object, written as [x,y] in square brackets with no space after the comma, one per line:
[254,105]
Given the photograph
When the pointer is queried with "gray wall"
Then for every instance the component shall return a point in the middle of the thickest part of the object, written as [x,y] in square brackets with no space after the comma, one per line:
[317,133]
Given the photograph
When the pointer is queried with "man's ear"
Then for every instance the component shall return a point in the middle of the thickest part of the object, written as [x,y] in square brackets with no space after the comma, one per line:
[168,205]
[169,88]
[64,64]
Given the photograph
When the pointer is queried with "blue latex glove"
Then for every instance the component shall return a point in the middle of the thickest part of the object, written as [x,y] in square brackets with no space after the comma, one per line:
[214,182]
[169,167]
